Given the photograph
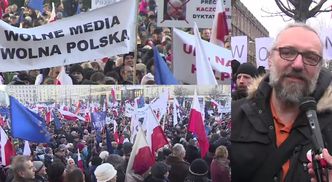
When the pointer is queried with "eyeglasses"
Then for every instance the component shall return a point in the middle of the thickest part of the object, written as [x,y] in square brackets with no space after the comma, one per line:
[291,53]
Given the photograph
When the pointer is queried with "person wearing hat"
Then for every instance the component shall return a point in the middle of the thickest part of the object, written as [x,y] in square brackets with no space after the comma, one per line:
[76,73]
[128,59]
[159,173]
[244,77]
[40,173]
[105,173]
[198,171]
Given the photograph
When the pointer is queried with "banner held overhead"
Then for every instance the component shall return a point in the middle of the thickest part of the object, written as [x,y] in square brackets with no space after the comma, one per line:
[96,34]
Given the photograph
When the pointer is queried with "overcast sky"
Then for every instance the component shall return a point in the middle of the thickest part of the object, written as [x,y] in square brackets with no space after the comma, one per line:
[275,24]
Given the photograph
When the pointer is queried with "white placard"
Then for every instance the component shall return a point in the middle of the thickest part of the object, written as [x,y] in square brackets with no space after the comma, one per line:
[327,40]
[187,12]
[240,48]
[96,34]
[184,59]
[263,46]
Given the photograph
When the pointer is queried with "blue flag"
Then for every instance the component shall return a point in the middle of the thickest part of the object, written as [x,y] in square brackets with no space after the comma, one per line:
[108,141]
[4,111]
[57,122]
[37,5]
[26,124]
[162,75]
[98,120]
[140,102]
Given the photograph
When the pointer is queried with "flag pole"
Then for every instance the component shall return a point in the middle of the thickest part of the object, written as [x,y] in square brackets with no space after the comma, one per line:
[136,49]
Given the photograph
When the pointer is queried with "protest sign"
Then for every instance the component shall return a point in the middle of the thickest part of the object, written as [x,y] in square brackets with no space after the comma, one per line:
[101,3]
[183,13]
[263,46]
[96,34]
[327,40]
[240,48]
[184,59]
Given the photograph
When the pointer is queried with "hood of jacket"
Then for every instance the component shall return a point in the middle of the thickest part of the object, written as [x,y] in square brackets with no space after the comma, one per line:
[323,86]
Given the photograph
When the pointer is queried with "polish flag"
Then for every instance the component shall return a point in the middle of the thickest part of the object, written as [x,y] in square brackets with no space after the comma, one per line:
[219,27]
[87,117]
[78,107]
[196,125]
[26,149]
[79,161]
[53,15]
[214,103]
[113,95]
[2,121]
[141,158]
[7,148]
[204,72]
[63,78]
[48,116]
[70,116]
[155,135]
[115,133]
[176,105]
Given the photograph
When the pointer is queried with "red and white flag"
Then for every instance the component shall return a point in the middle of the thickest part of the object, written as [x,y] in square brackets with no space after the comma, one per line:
[79,161]
[176,105]
[63,78]
[214,103]
[26,149]
[48,116]
[7,148]
[155,135]
[70,116]
[53,15]
[2,121]
[204,72]
[196,125]
[141,158]
[219,27]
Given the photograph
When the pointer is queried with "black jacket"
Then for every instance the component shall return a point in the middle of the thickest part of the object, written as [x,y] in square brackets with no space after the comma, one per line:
[253,135]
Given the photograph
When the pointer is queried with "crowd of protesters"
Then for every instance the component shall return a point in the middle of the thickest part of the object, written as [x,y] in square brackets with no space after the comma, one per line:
[180,160]
[116,69]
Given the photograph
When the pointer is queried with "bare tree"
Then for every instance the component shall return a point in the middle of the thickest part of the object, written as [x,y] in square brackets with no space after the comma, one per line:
[300,10]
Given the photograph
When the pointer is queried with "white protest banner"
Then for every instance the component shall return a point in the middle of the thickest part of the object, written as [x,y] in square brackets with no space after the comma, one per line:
[263,46]
[101,3]
[240,48]
[96,34]
[184,59]
[183,13]
[327,40]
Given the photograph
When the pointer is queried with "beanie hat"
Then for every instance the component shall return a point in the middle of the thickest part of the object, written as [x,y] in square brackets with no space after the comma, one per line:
[159,169]
[146,78]
[128,54]
[103,155]
[80,146]
[247,68]
[38,165]
[127,147]
[105,172]
[199,167]
[76,68]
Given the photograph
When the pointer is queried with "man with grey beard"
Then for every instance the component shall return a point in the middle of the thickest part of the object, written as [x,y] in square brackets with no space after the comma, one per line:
[270,134]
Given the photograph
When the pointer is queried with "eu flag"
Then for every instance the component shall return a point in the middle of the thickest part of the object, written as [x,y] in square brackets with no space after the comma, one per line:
[162,76]
[98,120]
[56,122]
[26,124]
[37,5]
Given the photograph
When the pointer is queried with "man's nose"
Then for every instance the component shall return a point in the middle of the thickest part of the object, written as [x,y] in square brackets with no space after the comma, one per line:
[298,64]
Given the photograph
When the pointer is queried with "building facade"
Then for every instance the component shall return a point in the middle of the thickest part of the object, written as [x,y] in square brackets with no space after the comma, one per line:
[245,24]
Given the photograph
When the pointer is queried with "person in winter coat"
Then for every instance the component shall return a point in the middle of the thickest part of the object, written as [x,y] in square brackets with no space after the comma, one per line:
[270,133]
[220,170]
